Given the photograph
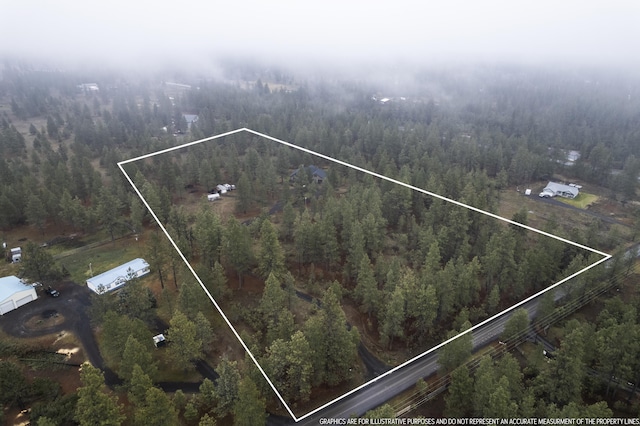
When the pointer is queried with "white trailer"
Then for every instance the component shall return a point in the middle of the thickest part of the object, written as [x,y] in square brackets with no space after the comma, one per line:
[16,254]
[213,197]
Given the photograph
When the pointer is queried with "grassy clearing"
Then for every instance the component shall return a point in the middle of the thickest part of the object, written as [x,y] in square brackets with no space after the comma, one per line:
[7,269]
[582,201]
[101,258]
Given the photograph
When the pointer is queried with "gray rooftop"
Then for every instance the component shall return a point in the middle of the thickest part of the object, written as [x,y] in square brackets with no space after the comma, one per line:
[560,187]
[11,285]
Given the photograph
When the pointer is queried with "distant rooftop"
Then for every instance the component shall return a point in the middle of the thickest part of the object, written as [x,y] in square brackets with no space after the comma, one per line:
[190,118]
[315,171]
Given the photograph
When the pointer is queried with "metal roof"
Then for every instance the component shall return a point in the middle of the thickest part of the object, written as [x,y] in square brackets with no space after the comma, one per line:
[11,285]
[111,275]
[559,187]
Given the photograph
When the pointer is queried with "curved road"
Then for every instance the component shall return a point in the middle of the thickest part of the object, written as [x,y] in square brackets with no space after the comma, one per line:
[72,304]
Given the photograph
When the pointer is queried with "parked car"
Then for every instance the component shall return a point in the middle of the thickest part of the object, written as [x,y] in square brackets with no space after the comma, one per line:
[52,292]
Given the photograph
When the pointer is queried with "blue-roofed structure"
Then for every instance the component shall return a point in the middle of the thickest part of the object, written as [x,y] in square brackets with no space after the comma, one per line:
[14,293]
[317,174]
[117,277]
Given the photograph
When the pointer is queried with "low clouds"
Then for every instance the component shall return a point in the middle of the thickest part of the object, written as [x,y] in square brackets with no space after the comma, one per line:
[139,33]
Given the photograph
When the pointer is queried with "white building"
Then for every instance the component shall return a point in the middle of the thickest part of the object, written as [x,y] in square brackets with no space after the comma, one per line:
[16,254]
[14,293]
[117,277]
[89,87]
[554,189]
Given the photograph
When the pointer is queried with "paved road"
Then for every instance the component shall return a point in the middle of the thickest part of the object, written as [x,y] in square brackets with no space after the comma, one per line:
[388,385]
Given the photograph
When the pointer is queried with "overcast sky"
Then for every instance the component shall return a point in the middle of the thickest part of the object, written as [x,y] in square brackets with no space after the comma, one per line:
[343,31]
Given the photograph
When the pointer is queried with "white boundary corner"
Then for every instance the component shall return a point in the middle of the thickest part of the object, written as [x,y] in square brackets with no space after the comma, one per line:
[360,169]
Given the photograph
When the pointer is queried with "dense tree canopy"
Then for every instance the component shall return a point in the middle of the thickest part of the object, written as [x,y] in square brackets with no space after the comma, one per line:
[415,267]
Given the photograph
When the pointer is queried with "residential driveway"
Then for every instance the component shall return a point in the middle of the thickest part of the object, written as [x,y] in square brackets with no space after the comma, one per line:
[71,305]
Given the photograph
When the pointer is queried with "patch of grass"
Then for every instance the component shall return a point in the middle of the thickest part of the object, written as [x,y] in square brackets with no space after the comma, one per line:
[582,201]
[7,268]
[102,258]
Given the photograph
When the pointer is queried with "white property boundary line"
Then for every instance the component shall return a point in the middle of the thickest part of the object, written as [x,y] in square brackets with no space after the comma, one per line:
[284,403]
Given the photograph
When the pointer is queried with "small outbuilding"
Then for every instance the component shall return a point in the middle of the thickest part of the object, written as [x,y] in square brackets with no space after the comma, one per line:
[117,277]
[213,197]
[159,340]
[15,293]
[16,254]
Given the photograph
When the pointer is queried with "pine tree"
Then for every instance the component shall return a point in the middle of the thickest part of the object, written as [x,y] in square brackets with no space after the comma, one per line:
[96,406]
[227,386]
[157,410]
[271,257]
[366,291]
[334,348]
[517,325]
[237,248]
[289,366]
[136,354]
[459,393]
[184,344]
[454,353]
[394,317]
[250,407]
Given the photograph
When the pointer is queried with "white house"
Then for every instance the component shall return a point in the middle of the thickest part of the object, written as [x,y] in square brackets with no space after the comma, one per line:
[14,293]
[117,277]
[558,189]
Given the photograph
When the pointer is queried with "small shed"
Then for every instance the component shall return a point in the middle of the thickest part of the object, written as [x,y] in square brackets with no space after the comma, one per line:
[16,254]
[15,293]
[119,276]
[159,340]
[213,197]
